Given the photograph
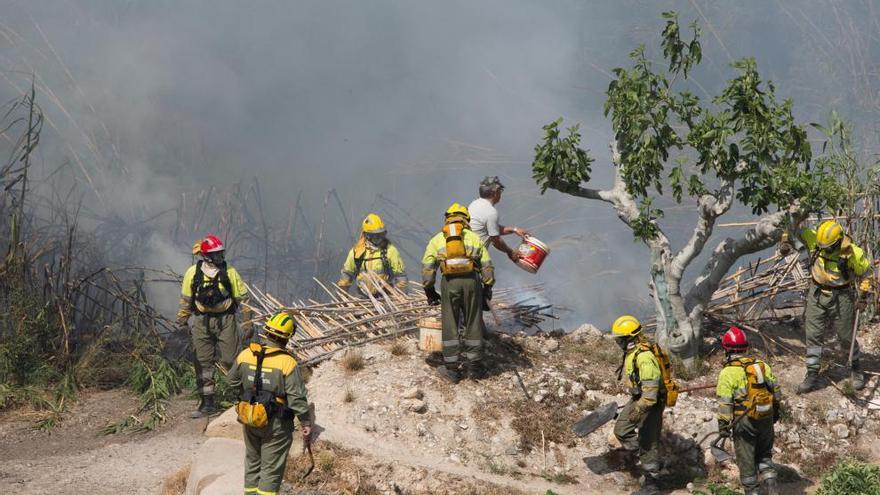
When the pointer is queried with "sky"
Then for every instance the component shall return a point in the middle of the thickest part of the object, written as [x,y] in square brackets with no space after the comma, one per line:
[413,100]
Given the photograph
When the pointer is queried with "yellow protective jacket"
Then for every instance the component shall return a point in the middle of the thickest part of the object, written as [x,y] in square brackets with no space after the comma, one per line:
[237,295]
[642,374]
[435,252]
[385,262]
[281,376]
[733,388]
[838,268]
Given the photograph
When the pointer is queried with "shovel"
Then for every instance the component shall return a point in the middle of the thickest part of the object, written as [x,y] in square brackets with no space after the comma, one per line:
[593,421]
[718,452]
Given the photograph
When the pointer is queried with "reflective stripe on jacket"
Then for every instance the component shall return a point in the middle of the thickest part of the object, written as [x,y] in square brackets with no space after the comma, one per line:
[435,252]
[733,388]
[644,376]
[394,272]
[239,292]
[826,266]
[281,376]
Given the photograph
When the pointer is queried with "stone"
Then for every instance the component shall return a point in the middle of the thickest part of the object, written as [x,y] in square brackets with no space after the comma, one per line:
[417,406]
[218,468]
[552,345]
[561,392]
[578,390]
[840,430]
[413,393]
[225,426]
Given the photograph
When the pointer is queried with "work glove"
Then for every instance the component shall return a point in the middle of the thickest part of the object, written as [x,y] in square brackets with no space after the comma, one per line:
[725,429]
[432,295]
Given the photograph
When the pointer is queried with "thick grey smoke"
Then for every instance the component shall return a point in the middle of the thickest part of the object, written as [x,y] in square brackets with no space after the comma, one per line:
[415,101]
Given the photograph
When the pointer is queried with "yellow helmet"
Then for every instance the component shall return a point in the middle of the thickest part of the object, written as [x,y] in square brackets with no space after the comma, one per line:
[828,233]
[626,326]
[281,325]
[373,224]
[458,210]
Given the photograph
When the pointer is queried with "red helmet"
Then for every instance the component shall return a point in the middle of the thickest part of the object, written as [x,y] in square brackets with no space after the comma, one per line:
[734,340]
[211,244]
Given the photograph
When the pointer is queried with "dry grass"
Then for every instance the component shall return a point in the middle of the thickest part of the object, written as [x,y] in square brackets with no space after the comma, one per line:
[352,361]
[349,396]
[335,472]
[549,417]
[399,347]
[175,484]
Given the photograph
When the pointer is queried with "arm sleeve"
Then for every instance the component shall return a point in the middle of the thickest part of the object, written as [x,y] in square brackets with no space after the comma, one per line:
[183,310]
[297,400]
[398,267]
[239,290]
[808,237]
[429,264]
[487,270]
[773,383]
[348,271]
[724,392]
[858,262]
[186,287]
[233,377]
[649,374]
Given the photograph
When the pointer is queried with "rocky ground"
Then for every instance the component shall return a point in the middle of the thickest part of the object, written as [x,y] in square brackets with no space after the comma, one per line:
[388,425]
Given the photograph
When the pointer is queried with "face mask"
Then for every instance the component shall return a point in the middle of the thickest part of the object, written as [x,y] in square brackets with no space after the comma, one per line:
[216,259]
[622,342]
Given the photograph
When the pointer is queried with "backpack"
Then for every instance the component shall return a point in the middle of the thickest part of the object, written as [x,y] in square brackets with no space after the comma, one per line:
[256,406]
[210,295]
[669,383]
[758,403]
[457,261]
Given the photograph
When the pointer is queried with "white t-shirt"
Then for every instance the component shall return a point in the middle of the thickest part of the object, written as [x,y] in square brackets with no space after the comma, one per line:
[484,219]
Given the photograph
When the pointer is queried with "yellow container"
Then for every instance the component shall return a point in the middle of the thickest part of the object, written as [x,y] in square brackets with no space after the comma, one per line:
[430,336]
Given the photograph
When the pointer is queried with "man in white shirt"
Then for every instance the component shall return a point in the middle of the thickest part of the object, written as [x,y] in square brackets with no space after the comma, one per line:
[484,218]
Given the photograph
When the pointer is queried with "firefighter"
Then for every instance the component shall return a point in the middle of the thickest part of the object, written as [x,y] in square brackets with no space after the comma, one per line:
[375,254]
[836,264]
[748,406]
[465,288]
[212,292]
[640,421]
[272,393]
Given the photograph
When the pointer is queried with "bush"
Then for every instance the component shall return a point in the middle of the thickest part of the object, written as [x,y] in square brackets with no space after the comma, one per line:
[851,477]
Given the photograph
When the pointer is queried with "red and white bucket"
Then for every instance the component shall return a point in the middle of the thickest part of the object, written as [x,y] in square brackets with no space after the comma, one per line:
[533,252]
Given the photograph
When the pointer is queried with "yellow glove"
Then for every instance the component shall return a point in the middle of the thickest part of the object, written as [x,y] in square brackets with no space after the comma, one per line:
[866,285]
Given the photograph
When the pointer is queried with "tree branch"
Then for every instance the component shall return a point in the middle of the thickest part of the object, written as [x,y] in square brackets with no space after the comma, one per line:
[763,235]
[710,207]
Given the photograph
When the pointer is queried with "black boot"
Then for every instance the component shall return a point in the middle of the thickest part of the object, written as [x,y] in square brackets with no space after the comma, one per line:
[449,374]
[857,377]
[206,408]
[475,371]
[810,383]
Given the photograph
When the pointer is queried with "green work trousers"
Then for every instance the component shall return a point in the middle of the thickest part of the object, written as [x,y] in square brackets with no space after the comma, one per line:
[642,436]
[828,307]
[215,339]
[753,443]
[265,457]
[461,299]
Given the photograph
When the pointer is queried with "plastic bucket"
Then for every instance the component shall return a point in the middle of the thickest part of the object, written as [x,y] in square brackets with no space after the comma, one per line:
[533,252]
[430,335]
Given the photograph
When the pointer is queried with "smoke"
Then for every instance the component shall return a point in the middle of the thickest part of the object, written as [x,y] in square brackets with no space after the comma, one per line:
[415,101]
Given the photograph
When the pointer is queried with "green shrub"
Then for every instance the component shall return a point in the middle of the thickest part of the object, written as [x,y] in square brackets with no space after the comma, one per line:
[851,477]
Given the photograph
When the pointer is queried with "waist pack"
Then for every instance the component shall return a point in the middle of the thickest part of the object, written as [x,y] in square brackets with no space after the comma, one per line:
[256,407]
[670,386]
[758,403]
[457,261]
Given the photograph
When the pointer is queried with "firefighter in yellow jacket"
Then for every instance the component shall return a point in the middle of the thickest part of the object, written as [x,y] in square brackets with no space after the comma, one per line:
[373,253]
[212,292]
[748,406]
[640,421]
[465,287]
[836,265]
[272,394]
